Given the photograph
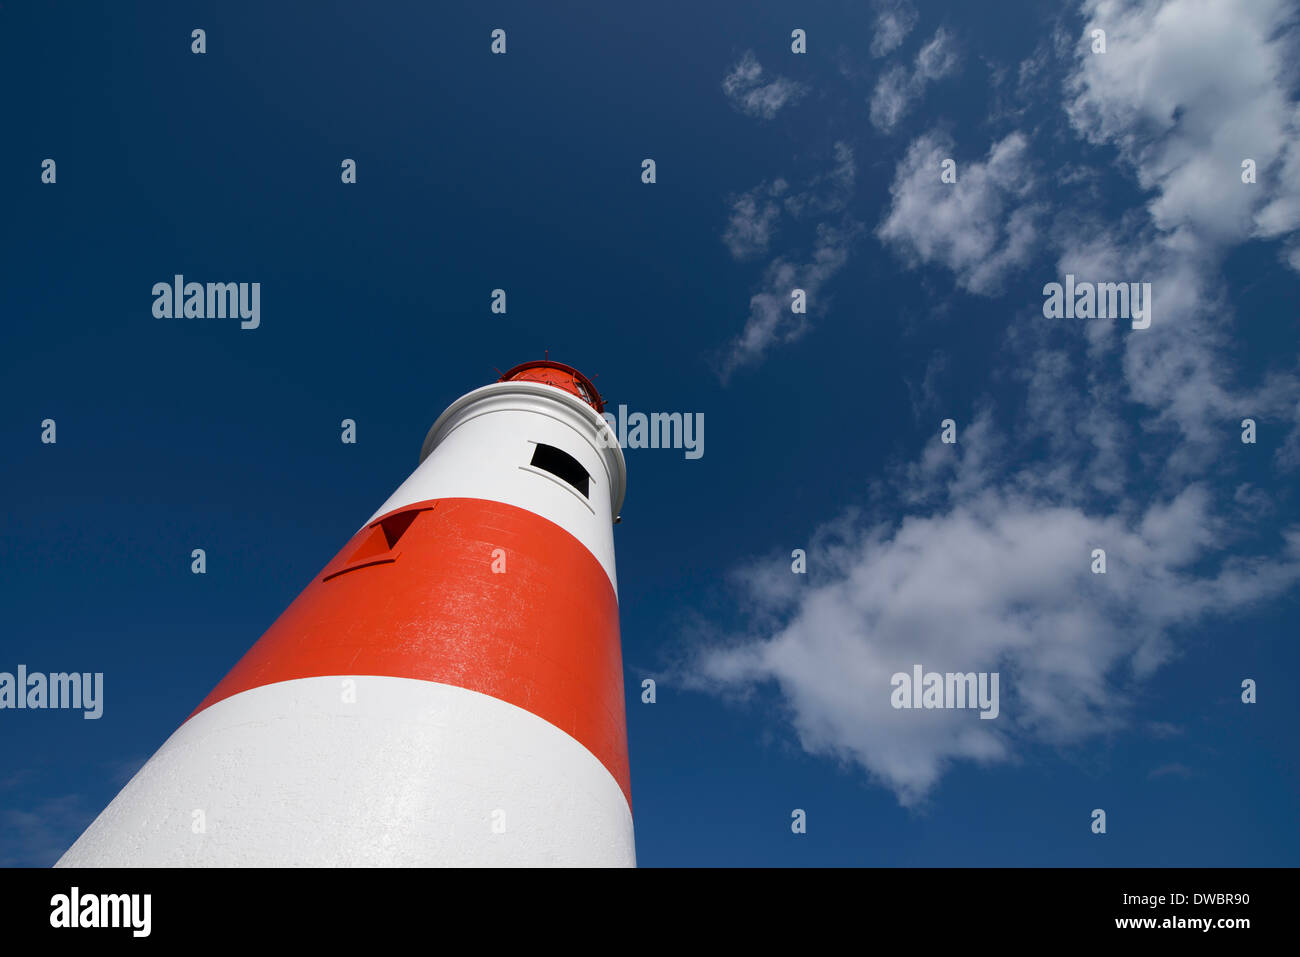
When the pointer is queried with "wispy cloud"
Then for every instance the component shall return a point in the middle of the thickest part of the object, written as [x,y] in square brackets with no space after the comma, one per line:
[754,217]
[753,94]
[894,21]
[771,320]
[898,89]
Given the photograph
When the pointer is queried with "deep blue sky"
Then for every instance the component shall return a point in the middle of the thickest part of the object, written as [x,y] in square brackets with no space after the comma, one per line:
[523,172]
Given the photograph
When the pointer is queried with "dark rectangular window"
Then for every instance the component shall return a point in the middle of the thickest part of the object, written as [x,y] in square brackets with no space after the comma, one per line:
[562,465]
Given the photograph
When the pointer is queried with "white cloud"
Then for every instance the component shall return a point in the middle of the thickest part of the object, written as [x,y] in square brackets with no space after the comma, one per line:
[998,582]
[1187,90]
[891,98]
[981,227]
[894,21]
[938,58]
[898,89]
[754,96]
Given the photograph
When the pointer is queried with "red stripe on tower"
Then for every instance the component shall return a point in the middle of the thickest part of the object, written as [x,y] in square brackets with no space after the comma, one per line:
[541,634]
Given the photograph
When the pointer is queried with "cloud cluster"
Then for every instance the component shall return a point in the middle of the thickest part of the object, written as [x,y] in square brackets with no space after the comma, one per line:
[979,556]
[1183,105]
[1186,91]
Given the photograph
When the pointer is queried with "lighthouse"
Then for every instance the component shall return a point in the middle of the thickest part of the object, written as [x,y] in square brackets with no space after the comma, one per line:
[447,691]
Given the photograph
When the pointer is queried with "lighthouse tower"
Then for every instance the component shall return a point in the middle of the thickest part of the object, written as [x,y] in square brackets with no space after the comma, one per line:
[447,691]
